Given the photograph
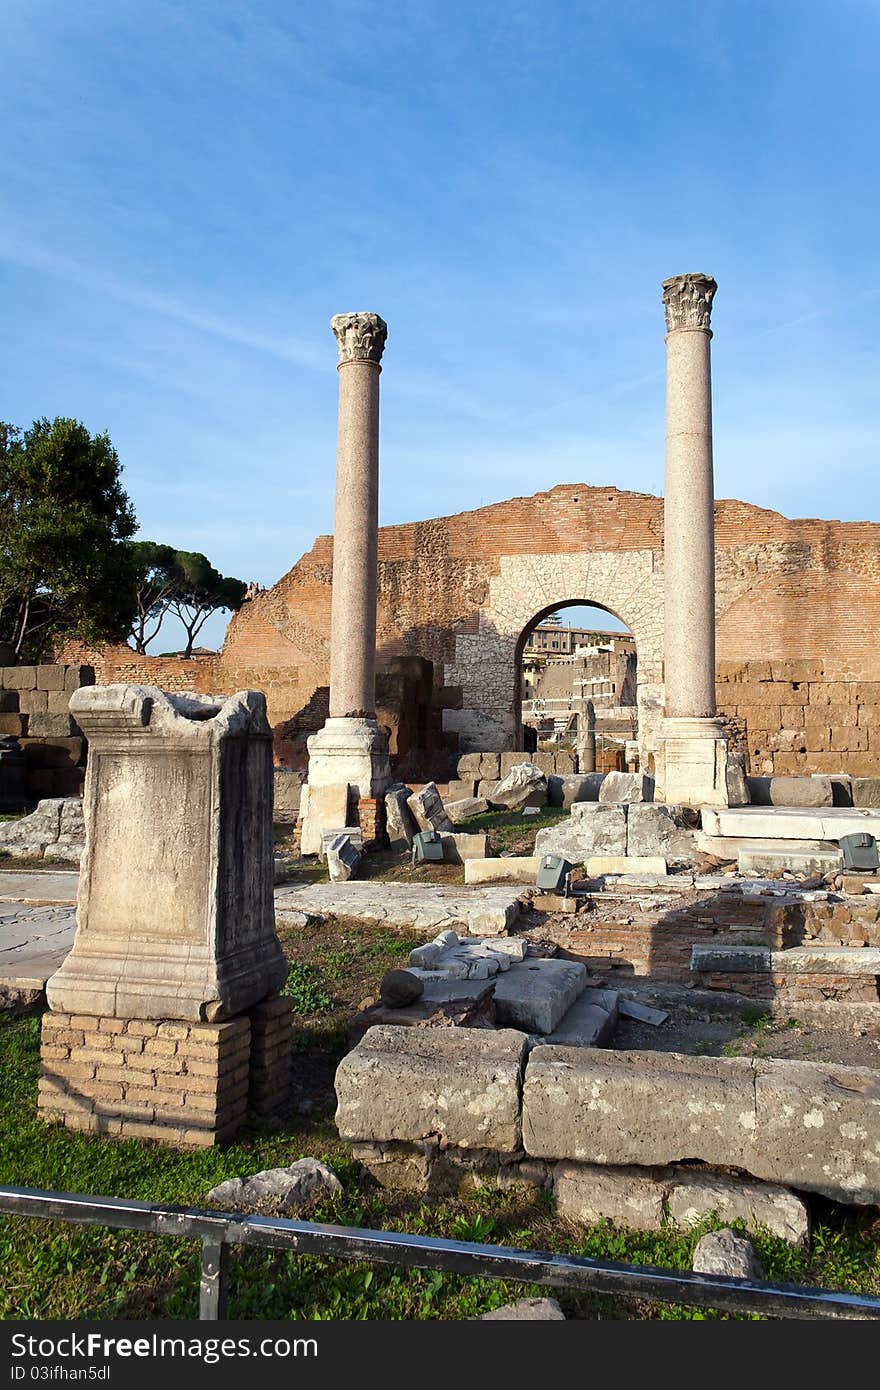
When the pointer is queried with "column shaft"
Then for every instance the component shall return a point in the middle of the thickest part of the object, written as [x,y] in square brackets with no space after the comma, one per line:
[355,540]
[689,528]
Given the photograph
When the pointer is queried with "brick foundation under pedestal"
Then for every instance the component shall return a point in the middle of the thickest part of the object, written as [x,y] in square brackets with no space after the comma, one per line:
[185,1084]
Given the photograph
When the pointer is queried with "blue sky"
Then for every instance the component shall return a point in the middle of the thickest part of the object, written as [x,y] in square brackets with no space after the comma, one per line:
[191,189]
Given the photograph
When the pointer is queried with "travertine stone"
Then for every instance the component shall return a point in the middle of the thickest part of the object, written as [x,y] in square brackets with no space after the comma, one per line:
[328,808]
[626,787]
[628,1196]
[427,809]
[638,1107]
[801,791]
[722,1252]
[600,864]
[460,847]
[659,829]
[694,1196]
[399,822]
[594,828]
[175,910]
[411,1083]
[536,994]
[419,907]
[510,869]
[466,808]
[524,784]
[526,1310]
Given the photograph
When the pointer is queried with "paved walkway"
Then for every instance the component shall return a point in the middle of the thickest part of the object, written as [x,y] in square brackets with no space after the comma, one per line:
[38,915]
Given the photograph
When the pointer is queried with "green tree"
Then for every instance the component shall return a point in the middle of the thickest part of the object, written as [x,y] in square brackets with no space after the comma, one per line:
[65,567]
[201,590]
[156,581]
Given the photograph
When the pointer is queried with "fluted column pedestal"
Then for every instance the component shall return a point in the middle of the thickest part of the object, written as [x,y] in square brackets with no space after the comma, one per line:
[691,757]
[351,750]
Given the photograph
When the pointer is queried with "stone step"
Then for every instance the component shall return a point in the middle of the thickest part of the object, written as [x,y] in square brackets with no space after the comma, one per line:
[730,846]
[790,823]
[784,860]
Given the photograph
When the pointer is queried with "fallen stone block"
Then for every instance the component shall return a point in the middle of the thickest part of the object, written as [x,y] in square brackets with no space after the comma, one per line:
[598,865]
[526,1310]
[643,1108]
[421,907]
[507,869]
[459,847]
[524,785]
[594,828]
[628,1196]
[626,787]
[590,1022]
[801,791]
[642,1013]
[866,791]
[321,808]
[428,810]
[460,789]
[536,994]
[400,823]
[412,1083]
[343,859]
[399,988]
[694,1196]
[289,1188]
[354,833]
[657,829]
[722,1252]
[465,808]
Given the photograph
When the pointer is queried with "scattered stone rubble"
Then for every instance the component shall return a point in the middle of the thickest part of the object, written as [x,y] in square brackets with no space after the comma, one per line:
[55,830]
[288,1189]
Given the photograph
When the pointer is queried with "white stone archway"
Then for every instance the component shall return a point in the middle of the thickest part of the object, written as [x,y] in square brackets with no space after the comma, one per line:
[629,583]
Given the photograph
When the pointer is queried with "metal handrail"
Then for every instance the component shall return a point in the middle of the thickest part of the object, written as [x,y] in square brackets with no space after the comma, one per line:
[217,1231]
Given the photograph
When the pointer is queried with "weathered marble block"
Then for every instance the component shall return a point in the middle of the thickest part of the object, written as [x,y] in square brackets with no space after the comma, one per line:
[175,913]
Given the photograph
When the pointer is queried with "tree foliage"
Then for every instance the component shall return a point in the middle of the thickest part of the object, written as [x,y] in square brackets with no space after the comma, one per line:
[182,582]
[65,566]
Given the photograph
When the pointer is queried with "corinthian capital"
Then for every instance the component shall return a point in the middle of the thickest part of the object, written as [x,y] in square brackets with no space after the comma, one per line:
[360,337]
[687,300]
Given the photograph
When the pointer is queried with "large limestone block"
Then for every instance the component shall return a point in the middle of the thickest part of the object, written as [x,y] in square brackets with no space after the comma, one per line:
[326,809]
[595,829]
[628,1196]
[466,808]
[644,1108]
[175,910]
[801,791]
[399,821]
[459,789]
[565,790]
[658,829]
[461,1084]
[459,847]
[818,1128]
[536,994]
[427,808]
[626,787]
[694,1196]
[509,869]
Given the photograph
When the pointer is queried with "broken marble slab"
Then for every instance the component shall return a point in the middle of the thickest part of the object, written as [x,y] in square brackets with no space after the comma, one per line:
[536,994]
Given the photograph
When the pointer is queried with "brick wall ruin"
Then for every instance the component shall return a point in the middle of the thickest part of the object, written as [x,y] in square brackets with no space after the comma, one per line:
[798,603]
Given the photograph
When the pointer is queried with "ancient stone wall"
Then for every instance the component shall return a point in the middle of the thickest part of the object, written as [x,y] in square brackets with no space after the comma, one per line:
[797,608]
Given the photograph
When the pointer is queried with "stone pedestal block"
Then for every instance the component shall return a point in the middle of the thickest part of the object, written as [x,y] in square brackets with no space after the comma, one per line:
[691,763]
[175,913]
[348,753]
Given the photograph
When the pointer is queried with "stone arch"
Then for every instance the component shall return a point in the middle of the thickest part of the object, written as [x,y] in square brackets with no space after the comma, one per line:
[628,583]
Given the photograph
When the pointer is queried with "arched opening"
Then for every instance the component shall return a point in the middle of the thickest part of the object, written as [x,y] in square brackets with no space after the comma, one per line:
[576,685]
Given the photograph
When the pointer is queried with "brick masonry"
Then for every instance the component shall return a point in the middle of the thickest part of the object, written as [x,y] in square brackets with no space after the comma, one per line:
[186,1085]
[798,602]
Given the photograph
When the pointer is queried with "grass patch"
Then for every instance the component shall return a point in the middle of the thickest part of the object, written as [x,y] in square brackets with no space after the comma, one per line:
[512,833]
[56,1271]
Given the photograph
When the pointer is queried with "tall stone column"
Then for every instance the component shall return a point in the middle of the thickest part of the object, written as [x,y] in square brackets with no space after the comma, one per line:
[692,752]
[351,751]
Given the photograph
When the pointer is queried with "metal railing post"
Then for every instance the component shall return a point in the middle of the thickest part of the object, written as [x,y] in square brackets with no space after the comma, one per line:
[214,1282]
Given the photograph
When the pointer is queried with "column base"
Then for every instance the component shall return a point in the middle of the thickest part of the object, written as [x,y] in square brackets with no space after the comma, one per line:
[348,753]
[690,763]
